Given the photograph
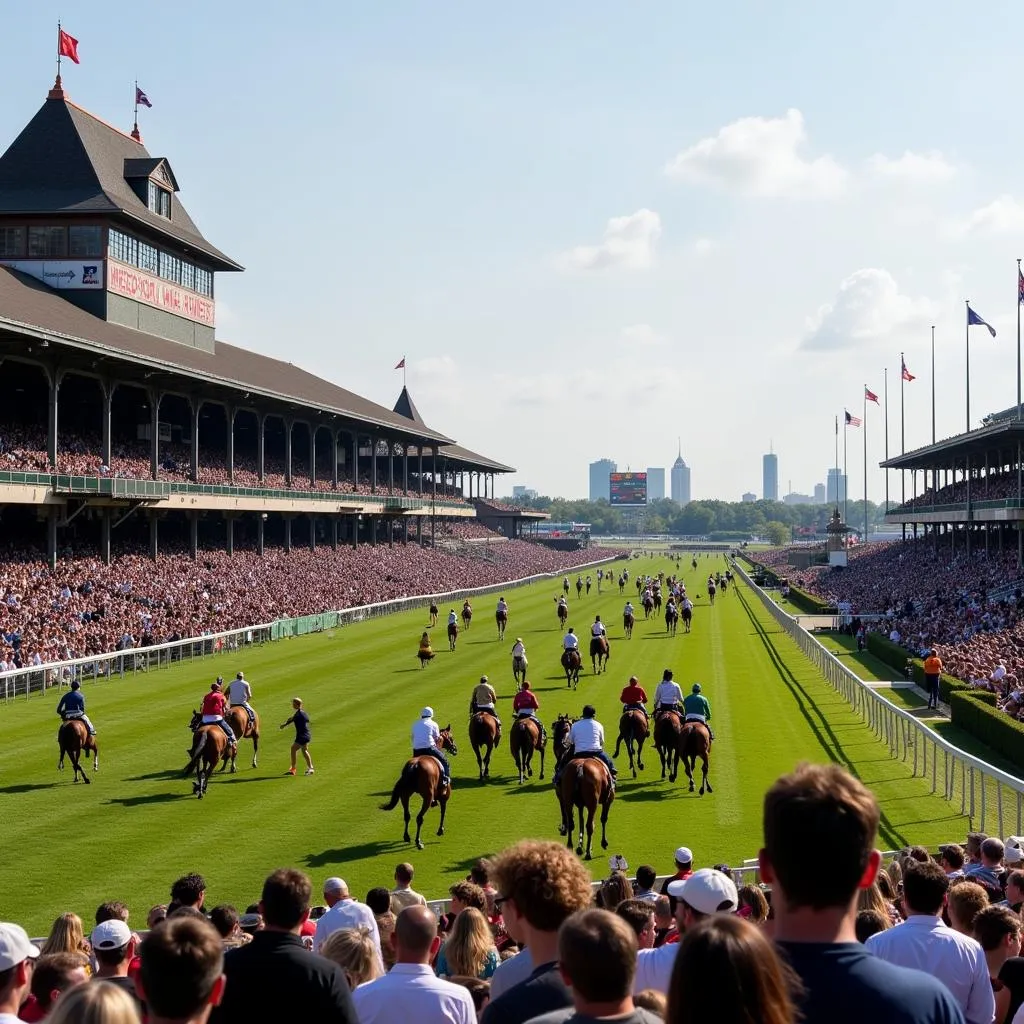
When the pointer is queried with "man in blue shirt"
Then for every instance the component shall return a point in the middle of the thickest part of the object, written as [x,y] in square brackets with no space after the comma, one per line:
[72,705]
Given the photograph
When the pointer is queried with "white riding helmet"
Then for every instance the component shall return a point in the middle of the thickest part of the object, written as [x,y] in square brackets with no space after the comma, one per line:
[427,713]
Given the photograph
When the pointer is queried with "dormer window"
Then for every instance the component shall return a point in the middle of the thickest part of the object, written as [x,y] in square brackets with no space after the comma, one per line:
[159,200]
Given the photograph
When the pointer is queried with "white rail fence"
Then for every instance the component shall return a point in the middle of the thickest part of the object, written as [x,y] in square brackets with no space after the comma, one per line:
[35,679]
[992,799]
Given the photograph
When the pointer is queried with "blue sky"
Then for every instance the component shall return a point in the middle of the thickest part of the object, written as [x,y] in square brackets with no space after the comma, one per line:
[592,227]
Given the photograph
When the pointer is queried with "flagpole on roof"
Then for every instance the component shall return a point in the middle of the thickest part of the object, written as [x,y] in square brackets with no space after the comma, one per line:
[967,360]
[57,86]
[864,427]
[846,479]
[933,388]
[837,466]
[885,377]
[1018,339]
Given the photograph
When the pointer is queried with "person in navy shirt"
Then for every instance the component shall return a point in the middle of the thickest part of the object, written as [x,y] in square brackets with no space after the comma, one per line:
[72,705]
[300,720]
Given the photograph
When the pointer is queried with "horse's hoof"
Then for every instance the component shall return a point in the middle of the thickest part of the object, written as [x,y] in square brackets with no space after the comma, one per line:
[562,830]
[440,831]
[634,773]
[419,844]
[85,779]
[588,856]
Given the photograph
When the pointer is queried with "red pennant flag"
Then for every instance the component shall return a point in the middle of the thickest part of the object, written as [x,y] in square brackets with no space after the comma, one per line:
[400,365]
[906,374]
[67,46]
[870,396]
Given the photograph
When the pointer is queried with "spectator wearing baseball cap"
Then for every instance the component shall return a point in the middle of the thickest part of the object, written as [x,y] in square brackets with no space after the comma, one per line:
[704,893]
[684,868]
[17,956]
[113,945]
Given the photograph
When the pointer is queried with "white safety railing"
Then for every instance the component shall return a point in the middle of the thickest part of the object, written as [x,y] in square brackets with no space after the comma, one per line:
[988,796]
[31,679]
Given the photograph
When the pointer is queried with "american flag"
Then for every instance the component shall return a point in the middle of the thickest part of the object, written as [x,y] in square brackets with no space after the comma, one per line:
[906,374]
[870,396]
[851,420]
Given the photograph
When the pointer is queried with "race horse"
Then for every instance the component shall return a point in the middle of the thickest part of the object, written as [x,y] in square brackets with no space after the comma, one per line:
[519,666]
[694,742]
[563,614]
[633,730]
[711,592]
[579,588]
[501,619]
[421,776]
[668,727]
[648,605]
[484,735]
[571,662]
[209,745]
[467,615]
[627,624]
[657,600]
[453,635]
[671,619]
[687,614]
[600,651]
[523,740]
[585,783]
[244,729]
[74,740]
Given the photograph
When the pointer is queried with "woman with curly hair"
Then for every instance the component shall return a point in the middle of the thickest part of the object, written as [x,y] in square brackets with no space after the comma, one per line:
[615,890]
[753,904]
[66,936]
[469,949]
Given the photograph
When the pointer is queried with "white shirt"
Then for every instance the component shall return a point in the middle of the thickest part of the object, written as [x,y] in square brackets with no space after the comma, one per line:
[348,913]
[518,650]
[424,734]
[597,629]
[997,673]
[412,992]
[502,607]
[587,734]
[687,604]
[654,968]
[668,692]
[570,641]
[925,943]
[510,972]
[628,610]
[238,691]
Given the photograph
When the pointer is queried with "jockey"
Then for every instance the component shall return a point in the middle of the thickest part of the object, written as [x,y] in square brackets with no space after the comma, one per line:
[633,697]
[214,705]
[571,642]
[239,695]
[628,610]
[597,629]
[425,647]
[519,650]
[453,619]
[72,705]
[526,705]
[562,603]
[502,608]
[426,740]
[483,699]
[668,696]
[586,739]
[697,708]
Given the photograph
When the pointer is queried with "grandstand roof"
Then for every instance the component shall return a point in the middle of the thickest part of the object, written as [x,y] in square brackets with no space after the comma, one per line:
[30,308]
[67,161]
[1002,436]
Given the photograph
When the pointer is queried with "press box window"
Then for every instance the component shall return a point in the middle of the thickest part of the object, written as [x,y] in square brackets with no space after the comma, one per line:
[47,242]
[12,242]
[85,242]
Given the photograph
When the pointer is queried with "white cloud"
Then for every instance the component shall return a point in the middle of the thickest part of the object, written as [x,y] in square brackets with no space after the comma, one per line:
[1004,215]
[869,307]
[911,168]
[704,245]
[629,242]
[643,335]
[760,156]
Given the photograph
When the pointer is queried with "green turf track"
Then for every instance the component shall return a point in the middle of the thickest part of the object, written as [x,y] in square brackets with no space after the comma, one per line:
[137,827]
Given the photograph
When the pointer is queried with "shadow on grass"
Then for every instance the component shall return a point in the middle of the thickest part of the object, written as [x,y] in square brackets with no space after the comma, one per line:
[648,795]
[27,787]
[815,718]
[166,774]
[358,851]
[153,798]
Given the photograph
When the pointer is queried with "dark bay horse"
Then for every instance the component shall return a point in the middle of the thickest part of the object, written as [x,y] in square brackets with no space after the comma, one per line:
[668,728]
[484,735]
[209,745]
[74,740]
[648,607]
[687,618]
[571,662]
[694,742]
[563,614]
[600,651]
[501,620]
[244,730]
[633,729]
[523,740]
[711,592]
[467,615]
[671,619]
[421,776]
[453,635]
[657,600]
[585,784]
[627,624]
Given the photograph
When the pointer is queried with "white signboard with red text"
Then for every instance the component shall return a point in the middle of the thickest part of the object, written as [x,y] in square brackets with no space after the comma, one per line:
[62,274]
[153,291]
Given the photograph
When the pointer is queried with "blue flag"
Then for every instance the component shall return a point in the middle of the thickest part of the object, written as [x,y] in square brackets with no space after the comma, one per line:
[974,320]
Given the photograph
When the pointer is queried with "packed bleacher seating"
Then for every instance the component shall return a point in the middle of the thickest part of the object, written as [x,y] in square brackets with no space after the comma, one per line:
[995,487]
[86,607]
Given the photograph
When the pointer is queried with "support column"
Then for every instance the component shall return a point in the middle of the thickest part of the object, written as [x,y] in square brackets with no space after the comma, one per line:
[355,531]
[419,530]
[334,528]
[230,412]
[288,534]
[355,461]
[419,451]
[288,424]
[51,536]
[391,467]
[433,484]
[51,417]
[193,535]
[312,533]
[107,454]
[334,472]
[405,468]
[373,463]
[967,483]
[154,536]
[229,534]
[196,406]
[261,449]
[405,530]
[154,426]
[106,517]
[312,456]
[260,523]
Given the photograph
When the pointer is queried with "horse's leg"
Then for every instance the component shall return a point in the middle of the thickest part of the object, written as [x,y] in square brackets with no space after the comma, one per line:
[591,808]
[689,763]
[479,760]
[704,784]
[405,814]
[581,812]
[419,820]
[95,757]
[618,744]
[444,807]
[255,747]
[605,808]
[487,761]
[541,761]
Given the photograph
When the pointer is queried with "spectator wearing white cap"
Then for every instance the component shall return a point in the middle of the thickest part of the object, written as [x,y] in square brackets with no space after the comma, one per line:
[113,945]
[345,912]
[684,868]
[705,892]
[17,954]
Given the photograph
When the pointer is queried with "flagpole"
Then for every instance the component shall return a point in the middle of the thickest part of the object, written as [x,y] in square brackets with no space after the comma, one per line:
[933,387]
[864,427]
[903,436]
[58,53]
[885,373]
[967,360]
[837,465]
[846,484]
[1018,339]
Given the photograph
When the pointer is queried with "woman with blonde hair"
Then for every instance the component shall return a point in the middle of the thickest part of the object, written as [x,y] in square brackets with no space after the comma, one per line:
[871,898]
[94,1004]
[355,952]
[66,936]
[470,948]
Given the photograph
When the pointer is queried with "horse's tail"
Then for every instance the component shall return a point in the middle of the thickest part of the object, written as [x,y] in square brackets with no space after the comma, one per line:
[396,794]
[198,744]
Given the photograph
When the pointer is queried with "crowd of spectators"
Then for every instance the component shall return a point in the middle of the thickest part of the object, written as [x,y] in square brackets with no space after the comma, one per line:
[527,937]
[86,607]
[994,487]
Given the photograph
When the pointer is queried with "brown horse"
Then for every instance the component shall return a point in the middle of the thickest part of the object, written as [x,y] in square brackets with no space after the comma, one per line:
[238,719]
[422,776]
[209,745]
[627,624]
[600,651]
[694,742]
[585,783]
[563,614]
[484,734]
[648,607]
[668,727]
[467,615]
[633,728]
[523,739]
[501,620]
[74,740]
[571,662]
[687,614]
[671,619]
[453,635]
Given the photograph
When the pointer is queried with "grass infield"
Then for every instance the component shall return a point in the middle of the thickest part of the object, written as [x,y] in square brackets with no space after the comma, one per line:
[137,827]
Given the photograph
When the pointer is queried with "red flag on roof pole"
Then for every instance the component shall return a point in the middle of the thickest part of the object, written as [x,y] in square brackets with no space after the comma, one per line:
[67,46]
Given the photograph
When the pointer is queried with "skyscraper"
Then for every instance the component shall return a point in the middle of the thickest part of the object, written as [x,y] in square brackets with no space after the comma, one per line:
[655,483]
[770,477]
[835,488]
[680,479]
[599,473]
[819,494]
